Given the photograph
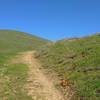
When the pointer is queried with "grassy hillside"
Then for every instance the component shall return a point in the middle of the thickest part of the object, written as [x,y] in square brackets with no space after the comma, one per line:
[77,60]
[13,76]
[11,41]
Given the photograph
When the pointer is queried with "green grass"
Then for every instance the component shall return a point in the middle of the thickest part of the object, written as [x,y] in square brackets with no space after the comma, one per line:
[12,79]
[77,60]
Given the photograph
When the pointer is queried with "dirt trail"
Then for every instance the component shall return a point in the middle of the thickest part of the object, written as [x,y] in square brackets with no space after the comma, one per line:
[39,86]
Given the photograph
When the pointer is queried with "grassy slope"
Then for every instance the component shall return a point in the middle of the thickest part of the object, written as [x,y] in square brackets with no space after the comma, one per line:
[13,76]
[77,60]
[11,41]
